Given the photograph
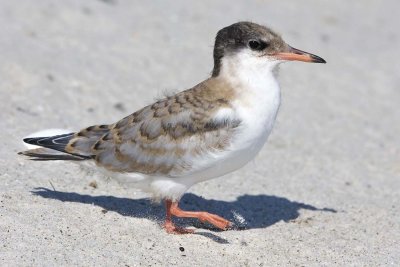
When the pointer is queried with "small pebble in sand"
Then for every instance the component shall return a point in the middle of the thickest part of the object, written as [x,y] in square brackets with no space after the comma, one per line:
[93,184]
[120,106]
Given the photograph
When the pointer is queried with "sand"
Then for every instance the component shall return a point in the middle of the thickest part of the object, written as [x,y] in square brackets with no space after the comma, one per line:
[324,191]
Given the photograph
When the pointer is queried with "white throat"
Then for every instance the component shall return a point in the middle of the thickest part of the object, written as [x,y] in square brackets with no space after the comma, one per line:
[254,78]
[248,71]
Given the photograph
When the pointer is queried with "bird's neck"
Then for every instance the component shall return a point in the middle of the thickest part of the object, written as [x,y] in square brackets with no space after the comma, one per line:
[249,75]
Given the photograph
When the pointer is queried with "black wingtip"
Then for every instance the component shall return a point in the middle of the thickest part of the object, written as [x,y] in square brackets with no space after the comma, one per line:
[34,140]
[28,140]
[56,142]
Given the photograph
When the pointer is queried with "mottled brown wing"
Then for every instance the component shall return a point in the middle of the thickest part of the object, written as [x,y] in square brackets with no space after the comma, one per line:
[166,137]
[81,143]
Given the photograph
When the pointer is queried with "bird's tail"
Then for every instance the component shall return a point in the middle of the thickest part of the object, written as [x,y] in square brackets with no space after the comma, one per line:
[42,154]
[50,147]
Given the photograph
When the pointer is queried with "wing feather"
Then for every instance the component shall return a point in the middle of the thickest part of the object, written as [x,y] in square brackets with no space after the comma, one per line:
[167,137]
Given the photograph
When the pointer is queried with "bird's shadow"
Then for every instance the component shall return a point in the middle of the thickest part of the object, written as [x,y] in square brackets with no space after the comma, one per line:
[246,212]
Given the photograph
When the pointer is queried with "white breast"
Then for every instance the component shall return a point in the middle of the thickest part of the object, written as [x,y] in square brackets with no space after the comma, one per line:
[256,106]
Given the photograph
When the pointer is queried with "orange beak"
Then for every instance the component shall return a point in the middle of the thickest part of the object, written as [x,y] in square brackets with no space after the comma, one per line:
[296,54]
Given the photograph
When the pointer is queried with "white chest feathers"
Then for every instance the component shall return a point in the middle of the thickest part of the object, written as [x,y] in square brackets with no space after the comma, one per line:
[258,96]
[256,105]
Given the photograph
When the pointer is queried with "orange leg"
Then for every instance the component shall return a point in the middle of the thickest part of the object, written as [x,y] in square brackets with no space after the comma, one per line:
[173,209]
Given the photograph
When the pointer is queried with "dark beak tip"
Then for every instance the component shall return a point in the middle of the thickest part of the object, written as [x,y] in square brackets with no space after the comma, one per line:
[314,58]
[317,59]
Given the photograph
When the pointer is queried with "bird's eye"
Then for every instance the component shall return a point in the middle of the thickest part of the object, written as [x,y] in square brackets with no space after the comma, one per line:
[257,45]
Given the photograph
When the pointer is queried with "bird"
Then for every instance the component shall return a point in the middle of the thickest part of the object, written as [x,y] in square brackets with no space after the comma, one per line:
[201,133]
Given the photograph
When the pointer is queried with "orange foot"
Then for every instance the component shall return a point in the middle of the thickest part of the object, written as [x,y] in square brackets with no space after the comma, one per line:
[173,209]
[172,229]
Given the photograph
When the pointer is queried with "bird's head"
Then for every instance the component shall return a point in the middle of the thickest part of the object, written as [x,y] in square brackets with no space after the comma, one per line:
[251,45]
